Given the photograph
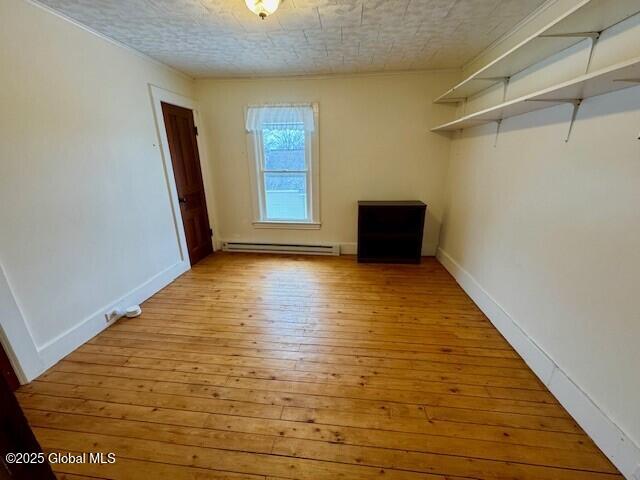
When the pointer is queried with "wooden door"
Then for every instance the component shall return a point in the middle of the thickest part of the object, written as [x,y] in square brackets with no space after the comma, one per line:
[7,371]
[181,133]
[16,437]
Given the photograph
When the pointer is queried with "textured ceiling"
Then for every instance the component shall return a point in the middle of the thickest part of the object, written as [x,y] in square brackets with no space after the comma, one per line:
[223,38]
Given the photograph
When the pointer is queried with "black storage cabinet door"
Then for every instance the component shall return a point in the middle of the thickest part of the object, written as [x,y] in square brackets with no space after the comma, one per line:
[390,232]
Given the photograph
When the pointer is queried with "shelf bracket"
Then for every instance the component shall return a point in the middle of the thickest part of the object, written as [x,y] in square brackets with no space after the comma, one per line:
[594,36]
[594,41]
[505,84]
[498,125]
[576,102]
[493,79]
[576,106]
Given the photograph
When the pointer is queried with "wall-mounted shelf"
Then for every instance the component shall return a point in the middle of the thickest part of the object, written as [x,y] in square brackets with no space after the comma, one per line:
[586,20]
[617,77]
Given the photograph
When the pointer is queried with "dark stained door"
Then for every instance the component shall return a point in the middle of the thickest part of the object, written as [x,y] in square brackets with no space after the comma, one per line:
[7,371]
[16,437]
[181,133]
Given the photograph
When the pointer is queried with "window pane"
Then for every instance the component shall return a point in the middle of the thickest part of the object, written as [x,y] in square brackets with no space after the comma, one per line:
[284,147]
[286,196]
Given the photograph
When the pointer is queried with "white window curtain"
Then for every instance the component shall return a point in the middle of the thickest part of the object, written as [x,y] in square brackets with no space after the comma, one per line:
[257,117]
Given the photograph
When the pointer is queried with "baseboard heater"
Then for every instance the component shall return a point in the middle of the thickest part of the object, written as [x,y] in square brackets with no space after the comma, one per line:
[317,249]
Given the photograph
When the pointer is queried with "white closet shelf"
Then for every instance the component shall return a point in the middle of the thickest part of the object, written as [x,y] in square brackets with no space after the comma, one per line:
[587,18]
[616,77]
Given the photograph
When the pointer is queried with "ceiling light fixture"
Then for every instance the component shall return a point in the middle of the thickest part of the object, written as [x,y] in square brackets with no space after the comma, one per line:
[262,8]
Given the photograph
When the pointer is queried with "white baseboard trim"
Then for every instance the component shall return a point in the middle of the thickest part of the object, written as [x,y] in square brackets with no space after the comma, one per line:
[610,438]
[59,347]
[349,248]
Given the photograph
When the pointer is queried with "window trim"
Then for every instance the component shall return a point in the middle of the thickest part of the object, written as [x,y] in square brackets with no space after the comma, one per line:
[256,162]
[287,225]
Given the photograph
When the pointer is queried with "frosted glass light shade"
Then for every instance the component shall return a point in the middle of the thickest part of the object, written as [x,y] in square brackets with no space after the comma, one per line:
[262,8]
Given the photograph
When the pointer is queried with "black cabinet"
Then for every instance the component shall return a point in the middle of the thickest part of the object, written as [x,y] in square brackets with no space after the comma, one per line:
[390,232]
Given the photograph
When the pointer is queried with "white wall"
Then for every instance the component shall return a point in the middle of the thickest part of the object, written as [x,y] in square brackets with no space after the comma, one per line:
[373,145]
[85,218]
[551,230]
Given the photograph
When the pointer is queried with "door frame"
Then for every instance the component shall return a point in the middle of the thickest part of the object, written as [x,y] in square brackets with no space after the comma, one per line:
[159,95]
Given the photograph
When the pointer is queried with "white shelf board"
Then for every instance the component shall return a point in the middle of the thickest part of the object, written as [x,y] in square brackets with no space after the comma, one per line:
[587,16]
[589,85]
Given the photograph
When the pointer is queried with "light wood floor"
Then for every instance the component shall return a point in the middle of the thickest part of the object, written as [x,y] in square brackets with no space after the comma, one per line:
[315,368]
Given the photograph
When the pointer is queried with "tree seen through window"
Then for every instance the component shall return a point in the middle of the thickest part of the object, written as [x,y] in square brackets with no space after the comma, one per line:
[285,171]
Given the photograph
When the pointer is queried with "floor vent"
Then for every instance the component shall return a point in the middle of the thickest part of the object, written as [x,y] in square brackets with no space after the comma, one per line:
[326,249]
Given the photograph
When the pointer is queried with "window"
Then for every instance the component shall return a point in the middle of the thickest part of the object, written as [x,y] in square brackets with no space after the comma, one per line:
[283,142]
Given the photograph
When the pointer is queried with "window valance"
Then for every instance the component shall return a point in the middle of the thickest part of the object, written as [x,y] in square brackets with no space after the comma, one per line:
[257,117]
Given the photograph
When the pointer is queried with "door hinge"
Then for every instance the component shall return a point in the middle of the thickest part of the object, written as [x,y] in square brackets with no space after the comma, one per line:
[211,232]
[195,130]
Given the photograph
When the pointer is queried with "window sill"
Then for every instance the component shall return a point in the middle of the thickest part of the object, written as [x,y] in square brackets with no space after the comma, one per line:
[288,225]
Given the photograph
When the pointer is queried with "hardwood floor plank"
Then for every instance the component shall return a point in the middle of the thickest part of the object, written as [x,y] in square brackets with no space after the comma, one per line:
[443,330]
[130,469]
[516,420]
[210,326]
[275,367]
[253,403]
[428,463]
[263,436]
[150,349]
[71,476]
[142,397]
[129,371]
[303,371]
[239,339]
[176,309]
[558,440]
[315,424]
[248,464]
[356,366]
[115,410]
[180,435]
[418,360]
[441,353]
